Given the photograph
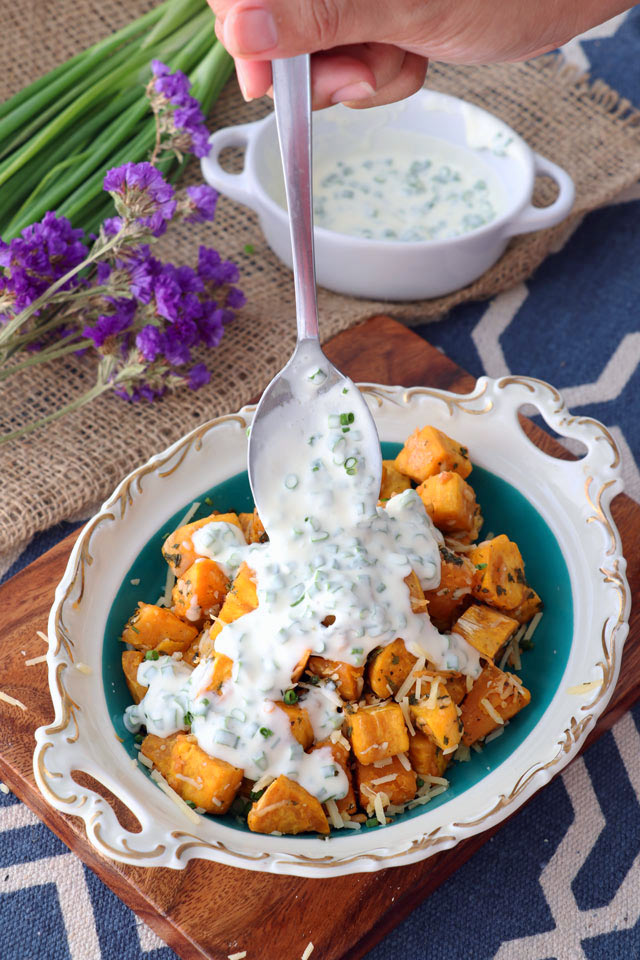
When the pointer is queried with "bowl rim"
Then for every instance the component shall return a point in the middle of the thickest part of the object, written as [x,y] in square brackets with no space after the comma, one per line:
[262,127]
[592,482]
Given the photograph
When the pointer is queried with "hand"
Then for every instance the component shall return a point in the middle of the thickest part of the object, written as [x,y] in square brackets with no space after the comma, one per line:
[368,52]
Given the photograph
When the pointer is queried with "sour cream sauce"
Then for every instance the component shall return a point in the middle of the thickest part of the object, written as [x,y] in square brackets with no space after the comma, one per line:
[408,187]
[332,553]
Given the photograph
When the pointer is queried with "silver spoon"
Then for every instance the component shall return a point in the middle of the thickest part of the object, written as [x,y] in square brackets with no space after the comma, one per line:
[282,417]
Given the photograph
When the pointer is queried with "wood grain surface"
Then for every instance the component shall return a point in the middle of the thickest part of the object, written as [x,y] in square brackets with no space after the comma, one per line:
[208,911]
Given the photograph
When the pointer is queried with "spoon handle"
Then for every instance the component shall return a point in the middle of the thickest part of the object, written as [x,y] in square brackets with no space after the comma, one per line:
[292,98]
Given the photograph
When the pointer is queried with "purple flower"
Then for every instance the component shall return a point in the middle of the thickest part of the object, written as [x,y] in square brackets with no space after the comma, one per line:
[211,324]
[43,253]
[174,348]
[236,298]
[202,203]
[198,376]
[213,269]
[167,294]
[111,324]
[112,226]
[103,272]
[172,86]
[143,194]
[149,342]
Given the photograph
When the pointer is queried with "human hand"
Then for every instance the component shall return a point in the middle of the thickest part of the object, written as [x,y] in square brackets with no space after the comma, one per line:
[369,52]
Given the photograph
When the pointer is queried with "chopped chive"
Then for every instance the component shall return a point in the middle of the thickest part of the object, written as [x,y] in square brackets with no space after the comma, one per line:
[290,696]
[345,390]
[291,481]
[346,418]
[152,655]
[256,794]
[139,737]
[266,732]
[372,822]
[188,718]
[191,804]
[419,782]
[296,602]
[481,566]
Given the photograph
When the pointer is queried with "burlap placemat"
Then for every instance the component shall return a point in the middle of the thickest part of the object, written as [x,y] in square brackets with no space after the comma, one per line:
[65,471]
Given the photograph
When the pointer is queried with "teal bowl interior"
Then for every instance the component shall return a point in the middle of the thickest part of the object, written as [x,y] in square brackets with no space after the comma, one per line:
[505,510]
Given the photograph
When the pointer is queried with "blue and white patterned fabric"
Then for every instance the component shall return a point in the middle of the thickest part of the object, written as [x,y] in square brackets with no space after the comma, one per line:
[561,880]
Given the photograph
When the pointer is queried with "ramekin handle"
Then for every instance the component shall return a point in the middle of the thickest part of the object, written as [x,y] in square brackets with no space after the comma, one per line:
[538,218]
[238,186]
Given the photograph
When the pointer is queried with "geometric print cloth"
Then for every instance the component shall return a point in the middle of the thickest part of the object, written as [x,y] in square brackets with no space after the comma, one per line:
[561,879]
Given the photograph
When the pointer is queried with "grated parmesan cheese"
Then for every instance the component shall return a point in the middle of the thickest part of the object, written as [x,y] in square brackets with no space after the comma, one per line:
[378,807]
[42,636]
[144,760]
[408,683]
[334,814]
[336,737]
[4,788]
[438,781]
[491,710]
[494,734]
[351,824]
[406,713]
[177,799]
[387,779]
[463,753]
[262,783]
[83,668]
[533,626]
[432,702]
[404,760]
[383,763]
[308,950]
[34,660]
[237,956]
[583,687]
[190,780]
[11,701]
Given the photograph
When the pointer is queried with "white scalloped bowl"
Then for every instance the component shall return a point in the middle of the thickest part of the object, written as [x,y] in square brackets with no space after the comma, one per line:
[558,512]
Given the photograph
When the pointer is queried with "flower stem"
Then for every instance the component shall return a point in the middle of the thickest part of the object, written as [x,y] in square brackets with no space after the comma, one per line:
[43,356]
[63,411]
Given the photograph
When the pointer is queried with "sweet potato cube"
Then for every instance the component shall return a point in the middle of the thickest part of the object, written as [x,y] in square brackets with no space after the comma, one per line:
[298,670]
[416,593]
[348,679]
[449,501]
[392,480]
[200,592]
[242,597]
[425,756]
[429,451]
[502,583]
[252,527]
[178,549]
[494,694]
[389,668]
[299,721]
[527,610]
[220,672]
[438,718]
[156,628]
[454,592]
[131,660]
[485,629]
[398,784]
[199,778]
[346,805]
[378,732]
[287,807]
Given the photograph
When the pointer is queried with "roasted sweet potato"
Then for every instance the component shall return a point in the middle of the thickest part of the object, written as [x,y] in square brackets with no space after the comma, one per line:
[299,721]
[416,593]
[437,717]
[286,807]
[485,629]
[388,668]
[392,480]
[131,660]
[429,451]
[393,780]
[156,628]
[450,502]
[178,549]
[454,592]
[242,598]
[199,778]
[494,692]
[200,592]
[527,610]
[502,582]
[348,679]
[426,758]
[219,672]
[377,732]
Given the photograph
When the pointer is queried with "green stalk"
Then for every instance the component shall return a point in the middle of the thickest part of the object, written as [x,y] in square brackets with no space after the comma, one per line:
[211,75]
[107,85]
[45,356]
[49,81]
[63,411]
[173,17]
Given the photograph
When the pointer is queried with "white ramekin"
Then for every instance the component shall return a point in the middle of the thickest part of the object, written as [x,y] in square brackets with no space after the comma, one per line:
[392,270]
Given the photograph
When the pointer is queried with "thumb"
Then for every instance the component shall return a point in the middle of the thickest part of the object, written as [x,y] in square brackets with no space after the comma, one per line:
[267,29]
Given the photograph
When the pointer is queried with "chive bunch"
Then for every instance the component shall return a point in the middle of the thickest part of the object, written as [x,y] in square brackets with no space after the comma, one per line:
[59,135]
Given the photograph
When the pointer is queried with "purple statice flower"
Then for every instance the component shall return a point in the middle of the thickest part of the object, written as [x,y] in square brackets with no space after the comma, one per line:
[201,203]
[180,113]
[112,226]
[213,269]
[43,253]
[211,324]
[235,298]
[149,342]
[142,193]
[112,324]
[198,376]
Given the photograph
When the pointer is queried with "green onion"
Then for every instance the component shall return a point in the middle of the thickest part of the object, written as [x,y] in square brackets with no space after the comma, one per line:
[419,782]
[152,655]
[372,822]
[188,718]
[266,732]
[481,566]
[346,418]
[290,697]
[139,737]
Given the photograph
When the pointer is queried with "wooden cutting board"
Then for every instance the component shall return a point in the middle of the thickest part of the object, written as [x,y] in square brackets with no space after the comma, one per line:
[209,911]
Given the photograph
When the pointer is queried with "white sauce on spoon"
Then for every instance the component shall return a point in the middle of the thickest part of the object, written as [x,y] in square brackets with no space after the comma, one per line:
[332,551]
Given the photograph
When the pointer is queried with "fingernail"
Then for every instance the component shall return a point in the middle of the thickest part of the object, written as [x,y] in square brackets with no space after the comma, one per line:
[241,81]
[353,91]
[249,31]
